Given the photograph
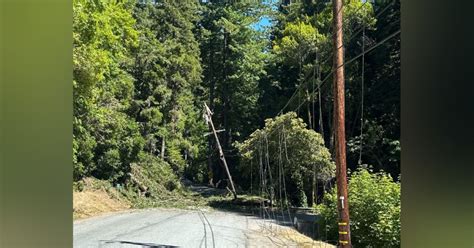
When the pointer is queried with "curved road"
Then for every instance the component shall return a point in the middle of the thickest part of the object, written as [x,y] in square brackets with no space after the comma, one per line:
[178,228]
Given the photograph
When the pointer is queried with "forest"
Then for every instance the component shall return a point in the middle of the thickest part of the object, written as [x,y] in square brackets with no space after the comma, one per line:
[143,69]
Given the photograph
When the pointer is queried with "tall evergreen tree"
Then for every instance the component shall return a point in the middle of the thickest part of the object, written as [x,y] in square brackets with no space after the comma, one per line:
[233,59]
[168,79]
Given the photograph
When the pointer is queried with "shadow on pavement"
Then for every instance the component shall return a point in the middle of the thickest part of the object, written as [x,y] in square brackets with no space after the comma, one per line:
[147,245]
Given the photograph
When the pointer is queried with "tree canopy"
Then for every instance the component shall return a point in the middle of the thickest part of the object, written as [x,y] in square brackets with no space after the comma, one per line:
[143,69]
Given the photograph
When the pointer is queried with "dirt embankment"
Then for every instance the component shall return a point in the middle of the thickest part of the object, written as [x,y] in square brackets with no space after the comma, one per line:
[94,200]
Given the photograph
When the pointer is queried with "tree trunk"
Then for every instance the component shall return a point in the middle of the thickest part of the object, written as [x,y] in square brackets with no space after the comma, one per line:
[310,122]
[314,194]
[321,128]
[224,92]
[212,85]
[163,148]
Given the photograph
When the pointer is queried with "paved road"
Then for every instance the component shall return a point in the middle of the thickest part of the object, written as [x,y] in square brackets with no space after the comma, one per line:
[177,228]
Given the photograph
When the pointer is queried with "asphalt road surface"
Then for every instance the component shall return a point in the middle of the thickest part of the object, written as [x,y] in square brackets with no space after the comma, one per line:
[178,228]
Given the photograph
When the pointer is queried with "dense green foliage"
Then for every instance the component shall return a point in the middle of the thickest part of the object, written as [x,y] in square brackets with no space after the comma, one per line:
[143,70]
[106,139]
[168,78]
[374,205]
[137,77]
[300,53]
[286,148]
[233,58]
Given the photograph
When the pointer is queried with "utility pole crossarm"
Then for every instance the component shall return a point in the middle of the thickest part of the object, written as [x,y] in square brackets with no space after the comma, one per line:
[208,116]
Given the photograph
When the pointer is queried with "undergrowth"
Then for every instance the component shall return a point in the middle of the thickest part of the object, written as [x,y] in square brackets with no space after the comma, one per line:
[152,183]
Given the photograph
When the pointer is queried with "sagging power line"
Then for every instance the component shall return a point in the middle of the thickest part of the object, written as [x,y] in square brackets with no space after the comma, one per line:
[308,75]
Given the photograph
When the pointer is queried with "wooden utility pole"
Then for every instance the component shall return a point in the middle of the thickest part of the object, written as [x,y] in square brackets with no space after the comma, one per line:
[221,153]
[339,128]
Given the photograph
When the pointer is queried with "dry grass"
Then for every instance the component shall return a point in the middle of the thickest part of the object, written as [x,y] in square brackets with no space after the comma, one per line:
[284,236]
[90,203]
[302,240]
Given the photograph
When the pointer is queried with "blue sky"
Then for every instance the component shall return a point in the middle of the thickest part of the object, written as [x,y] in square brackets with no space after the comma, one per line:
[264,22]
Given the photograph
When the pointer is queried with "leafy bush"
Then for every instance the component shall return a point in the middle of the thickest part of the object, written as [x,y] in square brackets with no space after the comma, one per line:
[300,151]
[374,204]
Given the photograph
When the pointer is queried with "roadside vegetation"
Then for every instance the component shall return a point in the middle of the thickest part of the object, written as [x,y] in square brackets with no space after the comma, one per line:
[375,210]
[143,69]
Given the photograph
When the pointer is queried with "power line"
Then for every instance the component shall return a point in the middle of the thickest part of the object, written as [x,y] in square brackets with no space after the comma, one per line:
[322,82]
[362,97]
[357,10]
[329,57]
[355,58]
[309,73]
[360,29]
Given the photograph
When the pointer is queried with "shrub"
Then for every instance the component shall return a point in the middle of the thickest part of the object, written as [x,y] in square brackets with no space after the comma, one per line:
[286,140]
[374,204]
